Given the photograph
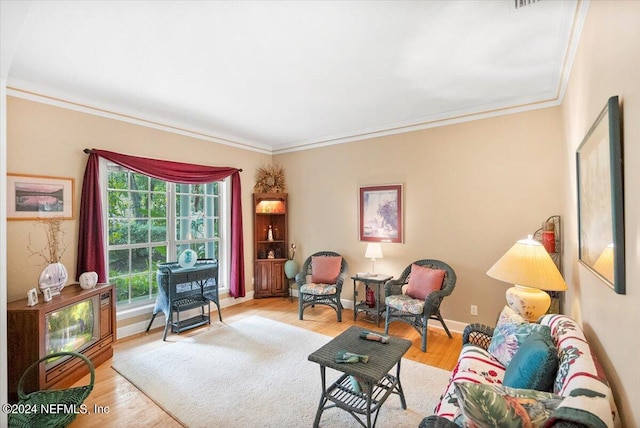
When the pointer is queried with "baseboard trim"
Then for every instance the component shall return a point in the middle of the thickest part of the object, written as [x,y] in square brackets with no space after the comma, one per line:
[159,321]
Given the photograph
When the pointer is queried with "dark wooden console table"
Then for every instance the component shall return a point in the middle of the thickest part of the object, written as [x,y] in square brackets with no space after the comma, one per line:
[375,377]
[181,289]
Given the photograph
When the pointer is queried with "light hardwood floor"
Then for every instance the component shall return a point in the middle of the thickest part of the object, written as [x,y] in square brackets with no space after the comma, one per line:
[127,406]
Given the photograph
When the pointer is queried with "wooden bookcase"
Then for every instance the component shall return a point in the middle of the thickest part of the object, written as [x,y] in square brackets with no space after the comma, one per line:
[27,330]
[270,250]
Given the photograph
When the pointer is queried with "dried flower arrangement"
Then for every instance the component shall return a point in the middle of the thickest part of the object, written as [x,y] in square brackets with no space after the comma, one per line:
[55,247]
[270,179]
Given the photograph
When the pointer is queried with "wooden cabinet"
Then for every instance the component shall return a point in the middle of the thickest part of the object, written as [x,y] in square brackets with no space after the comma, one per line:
[270,244]
[77,320]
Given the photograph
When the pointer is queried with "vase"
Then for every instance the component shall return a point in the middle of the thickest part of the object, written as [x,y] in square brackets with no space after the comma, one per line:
[88,280]
[290,268]
[53,277]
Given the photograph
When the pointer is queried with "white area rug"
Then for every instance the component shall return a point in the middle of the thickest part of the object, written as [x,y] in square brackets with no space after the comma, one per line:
[255,373]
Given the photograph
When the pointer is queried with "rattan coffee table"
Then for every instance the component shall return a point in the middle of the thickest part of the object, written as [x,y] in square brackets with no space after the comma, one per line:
[376,381]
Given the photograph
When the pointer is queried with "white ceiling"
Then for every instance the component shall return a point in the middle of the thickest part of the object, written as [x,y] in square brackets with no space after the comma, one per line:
[284,75]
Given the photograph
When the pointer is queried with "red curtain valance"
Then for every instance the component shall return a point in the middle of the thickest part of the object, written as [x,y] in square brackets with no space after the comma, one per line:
[91,246]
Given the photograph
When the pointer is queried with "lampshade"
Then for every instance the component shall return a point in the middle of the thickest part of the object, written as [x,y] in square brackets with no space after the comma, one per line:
[529,267]
[604,264]
[374,251]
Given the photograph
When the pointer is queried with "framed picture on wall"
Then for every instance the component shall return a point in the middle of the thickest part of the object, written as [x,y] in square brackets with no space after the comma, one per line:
[380,217]
[33,197]
[601,199]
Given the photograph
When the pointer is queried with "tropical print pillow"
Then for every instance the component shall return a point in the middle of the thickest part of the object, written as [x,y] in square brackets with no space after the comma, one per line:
[511,331]
[490,406]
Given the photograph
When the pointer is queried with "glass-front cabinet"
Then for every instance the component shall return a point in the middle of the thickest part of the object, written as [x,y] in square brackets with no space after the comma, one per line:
[270,244]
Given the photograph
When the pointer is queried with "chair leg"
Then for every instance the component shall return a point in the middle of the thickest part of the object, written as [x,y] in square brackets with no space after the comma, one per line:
[386,320]
[339,309]
[444,325]
[425,323]
[300,306]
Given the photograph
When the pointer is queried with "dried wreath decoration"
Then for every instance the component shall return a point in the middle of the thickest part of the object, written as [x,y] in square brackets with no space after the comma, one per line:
[270,179]
[55,248]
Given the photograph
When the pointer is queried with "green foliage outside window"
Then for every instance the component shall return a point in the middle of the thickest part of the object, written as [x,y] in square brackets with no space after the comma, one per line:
[138,237]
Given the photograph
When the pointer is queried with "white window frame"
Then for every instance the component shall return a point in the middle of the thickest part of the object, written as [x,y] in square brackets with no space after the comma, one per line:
[224,240]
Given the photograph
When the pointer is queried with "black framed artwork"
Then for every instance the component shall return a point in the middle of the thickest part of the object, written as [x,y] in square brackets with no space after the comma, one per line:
[599,165]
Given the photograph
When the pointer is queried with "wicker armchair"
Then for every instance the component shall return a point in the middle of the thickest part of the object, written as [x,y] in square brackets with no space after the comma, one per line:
[320,294]
[431,302]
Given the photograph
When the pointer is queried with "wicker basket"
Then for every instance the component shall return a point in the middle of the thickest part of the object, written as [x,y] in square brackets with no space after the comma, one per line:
[65,404]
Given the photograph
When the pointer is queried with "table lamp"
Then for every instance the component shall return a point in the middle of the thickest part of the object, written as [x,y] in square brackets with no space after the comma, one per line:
[374,251]
[529,267]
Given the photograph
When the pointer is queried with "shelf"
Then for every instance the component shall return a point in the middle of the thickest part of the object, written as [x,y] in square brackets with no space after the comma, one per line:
[188,324]
[342,393]
[270,220]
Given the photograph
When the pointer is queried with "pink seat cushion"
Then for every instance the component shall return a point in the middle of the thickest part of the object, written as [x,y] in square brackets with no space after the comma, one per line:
[423,281]
[325,269]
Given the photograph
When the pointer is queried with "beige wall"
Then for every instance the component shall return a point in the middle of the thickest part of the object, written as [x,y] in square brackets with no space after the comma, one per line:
[471,190]
[48,140]
[607,64]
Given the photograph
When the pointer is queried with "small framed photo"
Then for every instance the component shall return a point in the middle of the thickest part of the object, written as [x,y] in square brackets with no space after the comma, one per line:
[47,294]
[32,297]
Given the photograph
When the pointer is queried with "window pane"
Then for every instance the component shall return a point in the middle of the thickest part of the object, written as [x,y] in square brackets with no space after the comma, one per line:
[140,260]
[118,263]
[197,205]
[158,230]
[119,204]
[158,205]
[197,189]
[158,185]
[117,180]
[139,205]
[139,182]
[139,231]
[118,232]
[140,287]
[122,289]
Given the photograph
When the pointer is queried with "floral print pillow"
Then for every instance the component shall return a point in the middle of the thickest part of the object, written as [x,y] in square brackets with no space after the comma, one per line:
[510,332]
[500,406]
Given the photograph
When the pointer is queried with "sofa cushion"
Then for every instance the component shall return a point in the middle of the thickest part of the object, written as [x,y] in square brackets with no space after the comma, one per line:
[534,365]
[510,332]
[475,365]
[423,281]
[325,269]
[495,405]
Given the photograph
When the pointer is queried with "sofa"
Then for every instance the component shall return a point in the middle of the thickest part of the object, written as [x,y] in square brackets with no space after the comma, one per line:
[576,392]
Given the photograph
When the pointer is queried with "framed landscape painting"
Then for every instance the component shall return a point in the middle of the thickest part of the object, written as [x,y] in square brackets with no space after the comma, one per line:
[34,197]
[380,213]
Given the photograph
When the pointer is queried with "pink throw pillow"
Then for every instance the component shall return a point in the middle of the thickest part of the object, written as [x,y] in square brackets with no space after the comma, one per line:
[325,269]
[423,281]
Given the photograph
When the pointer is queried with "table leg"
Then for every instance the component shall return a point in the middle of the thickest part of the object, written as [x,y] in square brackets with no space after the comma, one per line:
[355,301]
[323,398]
[378,305]
[370,391]
[399,387]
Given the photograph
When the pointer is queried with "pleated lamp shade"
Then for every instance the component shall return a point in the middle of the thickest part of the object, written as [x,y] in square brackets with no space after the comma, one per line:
[529,267]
